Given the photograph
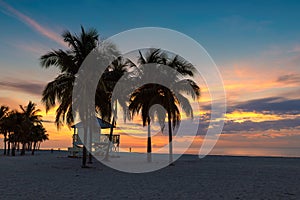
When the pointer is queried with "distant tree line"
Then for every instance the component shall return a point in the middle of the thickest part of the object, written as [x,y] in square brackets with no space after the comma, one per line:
[22,130]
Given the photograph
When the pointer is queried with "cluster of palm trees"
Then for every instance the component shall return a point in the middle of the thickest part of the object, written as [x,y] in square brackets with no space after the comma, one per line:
[170,98]
[22,130]
[59,91]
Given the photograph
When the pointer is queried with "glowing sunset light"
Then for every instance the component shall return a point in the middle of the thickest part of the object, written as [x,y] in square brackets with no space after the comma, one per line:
[240,116]
[259,64]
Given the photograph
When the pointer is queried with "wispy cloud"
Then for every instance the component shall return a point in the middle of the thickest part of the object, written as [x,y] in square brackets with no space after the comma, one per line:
[295,49]
[289,78]
[33,88]
[33,24]
[36,49]
[259,115]
[250,126]
[270,72]
[276,105]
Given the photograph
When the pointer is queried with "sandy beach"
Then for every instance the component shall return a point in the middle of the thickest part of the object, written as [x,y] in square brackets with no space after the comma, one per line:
[55,176]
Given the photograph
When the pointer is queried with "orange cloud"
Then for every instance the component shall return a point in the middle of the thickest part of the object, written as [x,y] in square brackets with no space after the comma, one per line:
[259,74]
[239,116]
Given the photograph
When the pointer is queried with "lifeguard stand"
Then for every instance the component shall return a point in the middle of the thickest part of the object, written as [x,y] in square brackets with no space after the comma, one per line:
[99,142]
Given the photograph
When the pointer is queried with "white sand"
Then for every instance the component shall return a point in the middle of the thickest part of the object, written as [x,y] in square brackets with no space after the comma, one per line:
[54,176]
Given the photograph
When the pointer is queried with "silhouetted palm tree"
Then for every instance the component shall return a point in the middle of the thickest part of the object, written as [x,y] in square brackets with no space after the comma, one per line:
[30,119]
[23,128]
[38,134]
[12,123]
[106,86]
[43,136]
[19,128]
[68,62]
[139,100]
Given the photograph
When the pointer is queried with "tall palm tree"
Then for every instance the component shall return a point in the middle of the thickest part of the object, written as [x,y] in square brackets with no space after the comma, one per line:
[114,72]
[3,129]
[170,98]
[59,91]
[139,100]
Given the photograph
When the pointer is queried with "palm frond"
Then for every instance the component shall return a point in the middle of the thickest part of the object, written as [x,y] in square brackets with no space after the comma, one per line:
[188,87]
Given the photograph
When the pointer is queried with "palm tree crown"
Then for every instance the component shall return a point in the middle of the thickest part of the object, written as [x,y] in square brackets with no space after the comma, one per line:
[59,91]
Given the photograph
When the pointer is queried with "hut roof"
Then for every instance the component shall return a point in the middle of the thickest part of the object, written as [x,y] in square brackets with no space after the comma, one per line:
[103,124]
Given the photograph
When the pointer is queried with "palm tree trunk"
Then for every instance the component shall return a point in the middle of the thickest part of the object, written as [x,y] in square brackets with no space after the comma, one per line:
[110,138]
[30,144]
[23,149]
[83,165]
[90,159]
[13,149]
[149,148]
[8,145]
[8,148]
[33,149]
[170,140]
[5,138]
[84,150]
[90,145]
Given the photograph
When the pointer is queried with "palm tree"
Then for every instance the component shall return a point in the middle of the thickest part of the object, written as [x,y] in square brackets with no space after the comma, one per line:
[22,128]
[139,100]
[106,86]
[12,123]
[30,119]
[38,134]
[68,62]
[59,91]
[18,127]
[169,98]
[3,129]
[41,138]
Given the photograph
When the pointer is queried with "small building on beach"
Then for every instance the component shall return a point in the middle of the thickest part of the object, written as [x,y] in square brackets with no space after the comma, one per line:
[96,142]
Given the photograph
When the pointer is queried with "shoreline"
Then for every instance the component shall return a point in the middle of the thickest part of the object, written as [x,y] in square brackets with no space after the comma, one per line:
[28,153]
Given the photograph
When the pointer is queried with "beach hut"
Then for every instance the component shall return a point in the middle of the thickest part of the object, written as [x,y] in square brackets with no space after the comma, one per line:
[99,142]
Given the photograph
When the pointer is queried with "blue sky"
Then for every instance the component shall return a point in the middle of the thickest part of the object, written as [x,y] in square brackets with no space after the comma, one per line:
[225,28]
[256,45]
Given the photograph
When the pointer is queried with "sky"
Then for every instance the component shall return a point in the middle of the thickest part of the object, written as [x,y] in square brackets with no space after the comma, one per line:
[255,44]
